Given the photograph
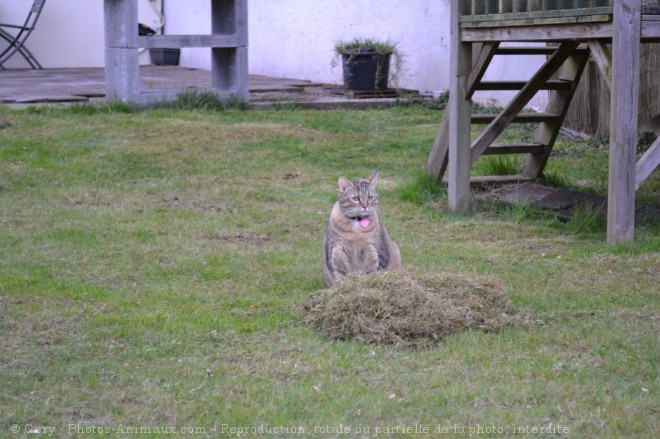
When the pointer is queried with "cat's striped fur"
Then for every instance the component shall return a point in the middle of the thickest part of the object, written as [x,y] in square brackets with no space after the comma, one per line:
[356,240]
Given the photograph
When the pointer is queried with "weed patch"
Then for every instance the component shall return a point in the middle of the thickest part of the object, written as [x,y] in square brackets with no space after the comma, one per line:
[202,100]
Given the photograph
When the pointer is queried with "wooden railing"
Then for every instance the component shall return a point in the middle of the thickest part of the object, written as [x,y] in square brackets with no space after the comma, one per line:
[479,13]
[481,10]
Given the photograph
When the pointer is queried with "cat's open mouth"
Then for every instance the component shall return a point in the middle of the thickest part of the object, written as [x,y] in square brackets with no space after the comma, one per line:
[363,220]
[358,217]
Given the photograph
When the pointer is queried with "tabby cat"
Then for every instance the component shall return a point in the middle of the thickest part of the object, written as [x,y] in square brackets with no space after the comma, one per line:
[356,240]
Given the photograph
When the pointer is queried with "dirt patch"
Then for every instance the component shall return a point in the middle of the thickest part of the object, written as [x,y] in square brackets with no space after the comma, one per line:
[402,308]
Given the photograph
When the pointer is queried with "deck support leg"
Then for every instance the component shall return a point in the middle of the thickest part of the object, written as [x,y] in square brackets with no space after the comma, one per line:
[459,120]
[623,123]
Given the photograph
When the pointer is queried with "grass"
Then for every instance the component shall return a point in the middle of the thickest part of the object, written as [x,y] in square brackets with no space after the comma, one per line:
[152,263]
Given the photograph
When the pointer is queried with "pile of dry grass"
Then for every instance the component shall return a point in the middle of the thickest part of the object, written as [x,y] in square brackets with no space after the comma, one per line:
[405,309]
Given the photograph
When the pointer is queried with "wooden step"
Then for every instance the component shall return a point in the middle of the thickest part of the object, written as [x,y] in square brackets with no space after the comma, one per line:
[521,118]
[515,148]
[525,50]
[495,180]
[530,50]
[517,85]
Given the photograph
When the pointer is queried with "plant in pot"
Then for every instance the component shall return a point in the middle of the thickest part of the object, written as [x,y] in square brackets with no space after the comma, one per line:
[366,63]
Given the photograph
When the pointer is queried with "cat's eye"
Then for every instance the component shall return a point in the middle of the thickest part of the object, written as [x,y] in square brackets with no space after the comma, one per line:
[371,197]
[355,198]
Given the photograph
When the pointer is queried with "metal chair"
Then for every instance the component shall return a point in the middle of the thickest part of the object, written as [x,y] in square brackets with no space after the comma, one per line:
[17,39]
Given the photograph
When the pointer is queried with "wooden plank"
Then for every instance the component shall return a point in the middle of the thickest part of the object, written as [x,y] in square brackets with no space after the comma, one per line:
[533,5]
[528,193]
[517,85]
[499,22]
[651,28]
[491,180]
[481,181]
[458,190]
[520,118]
[515,148]
[436,165]
[603,57]
[647,163]
[492,6]
[546,33]
[525,50]
[480,64]
[560,199]
[506,6]
[531,16]
[549,5]
[521,99]
[178,41]
[623,128]
[478,7]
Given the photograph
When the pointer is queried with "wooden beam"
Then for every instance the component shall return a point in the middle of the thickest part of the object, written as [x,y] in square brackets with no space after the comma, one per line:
[480,65]
[521,99]
[651,27]
[436,165]
[485,118]
[517,85]
[458,189]
[623,125]
[557,32]
[603,57]
[647,163]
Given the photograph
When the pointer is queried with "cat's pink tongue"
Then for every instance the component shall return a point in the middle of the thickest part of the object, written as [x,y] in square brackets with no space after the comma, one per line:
[364,222]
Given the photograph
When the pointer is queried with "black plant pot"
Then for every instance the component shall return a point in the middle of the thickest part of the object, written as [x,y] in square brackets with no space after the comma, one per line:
[164,57]
[366,71]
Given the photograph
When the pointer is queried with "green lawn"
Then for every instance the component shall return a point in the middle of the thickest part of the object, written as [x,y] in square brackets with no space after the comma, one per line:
[152,264]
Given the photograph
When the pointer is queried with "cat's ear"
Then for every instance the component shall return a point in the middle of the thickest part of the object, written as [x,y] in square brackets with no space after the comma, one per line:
[344,184]
[373,178]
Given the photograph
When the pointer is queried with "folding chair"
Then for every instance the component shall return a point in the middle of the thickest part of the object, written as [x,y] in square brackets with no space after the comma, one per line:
[17,40]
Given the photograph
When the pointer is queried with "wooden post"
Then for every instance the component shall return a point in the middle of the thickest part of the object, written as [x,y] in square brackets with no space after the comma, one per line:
[122,74]
[459,118]
[623,123]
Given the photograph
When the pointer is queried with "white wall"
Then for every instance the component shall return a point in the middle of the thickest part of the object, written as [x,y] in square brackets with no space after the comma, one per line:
[69,33]
[287,38]
[296,38]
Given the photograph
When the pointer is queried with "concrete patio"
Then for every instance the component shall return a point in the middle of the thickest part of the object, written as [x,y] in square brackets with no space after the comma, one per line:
[25,87]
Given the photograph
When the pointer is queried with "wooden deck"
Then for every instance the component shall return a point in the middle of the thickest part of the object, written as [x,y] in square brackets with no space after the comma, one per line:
[610,31]
[19,86]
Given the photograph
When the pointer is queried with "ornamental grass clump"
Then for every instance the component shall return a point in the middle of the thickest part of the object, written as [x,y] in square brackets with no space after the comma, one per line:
[402,308]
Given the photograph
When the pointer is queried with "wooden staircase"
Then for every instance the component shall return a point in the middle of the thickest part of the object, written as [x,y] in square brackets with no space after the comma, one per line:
[559,75]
